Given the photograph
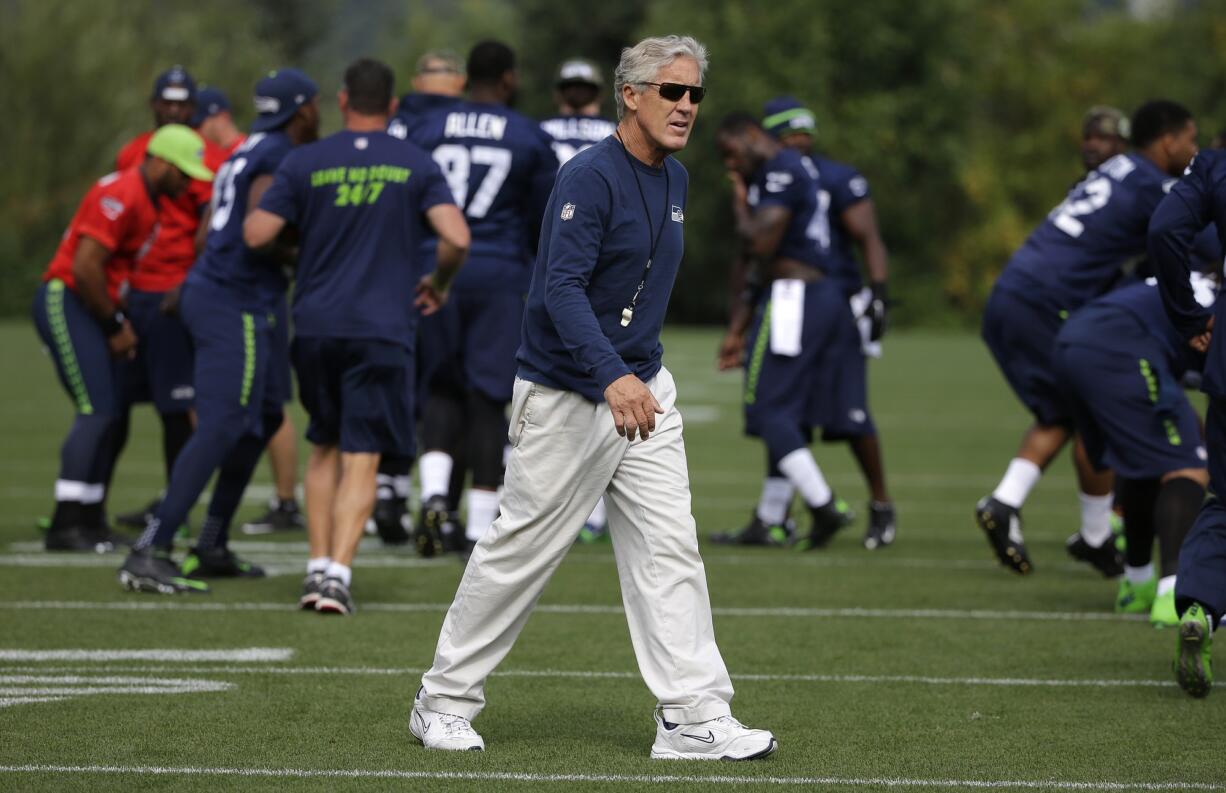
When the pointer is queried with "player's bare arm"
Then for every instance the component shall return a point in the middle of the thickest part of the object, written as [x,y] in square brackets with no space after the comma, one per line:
[453,242]
[860,220]
[260,229]
[740,313]
[89,270]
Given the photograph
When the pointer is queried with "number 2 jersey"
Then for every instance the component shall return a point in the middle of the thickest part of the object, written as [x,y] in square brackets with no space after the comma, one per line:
[500,168]
[255,280]
[1077,252]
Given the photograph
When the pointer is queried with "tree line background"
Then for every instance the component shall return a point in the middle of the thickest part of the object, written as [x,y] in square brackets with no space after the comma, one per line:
[964,115]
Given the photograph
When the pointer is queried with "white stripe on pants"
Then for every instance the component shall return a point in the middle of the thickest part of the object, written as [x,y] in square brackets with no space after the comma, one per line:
[565,454]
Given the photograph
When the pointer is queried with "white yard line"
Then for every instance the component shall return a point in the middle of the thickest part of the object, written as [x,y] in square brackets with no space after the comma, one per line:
[575,608]
[371,671]
[241,655]
[658,779]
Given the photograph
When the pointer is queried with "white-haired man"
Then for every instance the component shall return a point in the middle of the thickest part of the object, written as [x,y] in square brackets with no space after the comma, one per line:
[594,413]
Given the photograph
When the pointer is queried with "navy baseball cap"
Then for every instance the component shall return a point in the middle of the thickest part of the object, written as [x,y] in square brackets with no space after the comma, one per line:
[174,85]
[278,97]
[209,102]
[784,114]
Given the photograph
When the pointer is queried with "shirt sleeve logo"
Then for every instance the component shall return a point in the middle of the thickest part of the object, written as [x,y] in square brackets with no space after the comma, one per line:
[858,186]
[111,207]
[678,214]
[568,211]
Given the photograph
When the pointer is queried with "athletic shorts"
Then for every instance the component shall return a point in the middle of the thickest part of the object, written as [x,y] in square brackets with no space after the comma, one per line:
[234,359]
[1127,404]
[1021,336]
[280,380]
[801,389]
[357,392]
[162,370]
[473,339]
[90,375]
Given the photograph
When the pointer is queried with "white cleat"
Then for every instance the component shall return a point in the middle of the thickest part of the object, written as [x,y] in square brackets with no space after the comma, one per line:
[724,738]
[443,731]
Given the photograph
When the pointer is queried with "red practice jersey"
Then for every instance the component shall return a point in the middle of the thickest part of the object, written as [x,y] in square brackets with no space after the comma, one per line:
[170,257]
[119,213]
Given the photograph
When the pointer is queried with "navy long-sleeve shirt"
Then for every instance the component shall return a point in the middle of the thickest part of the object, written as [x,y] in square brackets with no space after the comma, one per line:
[595,244]
[1196,201]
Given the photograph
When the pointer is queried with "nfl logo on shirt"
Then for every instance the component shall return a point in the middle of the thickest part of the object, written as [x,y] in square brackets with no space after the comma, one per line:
[678,215]
[568,212]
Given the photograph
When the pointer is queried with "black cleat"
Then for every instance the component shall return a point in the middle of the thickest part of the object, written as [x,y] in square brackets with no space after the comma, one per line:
[825,522]
[454,538]
[152,570]
[756,532]
[430,528]
[334,598]
[137,519]
[881,525]
[218,563]
[312,585]
[1003,526]
[281,516]
[392,521]
[1106,558]
[81,539]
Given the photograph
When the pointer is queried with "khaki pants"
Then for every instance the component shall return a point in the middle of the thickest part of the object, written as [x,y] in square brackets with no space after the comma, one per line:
[565,455]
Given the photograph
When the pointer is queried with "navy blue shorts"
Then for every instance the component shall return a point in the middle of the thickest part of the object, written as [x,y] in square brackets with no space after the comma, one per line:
[280,380]
[477,332]
[1022,338]
[357,392]
[233,361]
[1128,407]
[840,404]
[161,372]
[91,376]
[802,389]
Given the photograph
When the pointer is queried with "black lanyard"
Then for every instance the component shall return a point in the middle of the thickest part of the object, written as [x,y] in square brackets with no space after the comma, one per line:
[653,237]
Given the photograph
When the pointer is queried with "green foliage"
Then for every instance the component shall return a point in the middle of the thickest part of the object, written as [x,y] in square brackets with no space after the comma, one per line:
[964,116]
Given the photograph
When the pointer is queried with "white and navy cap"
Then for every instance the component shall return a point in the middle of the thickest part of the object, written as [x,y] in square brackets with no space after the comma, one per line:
[175,85]
[278,97]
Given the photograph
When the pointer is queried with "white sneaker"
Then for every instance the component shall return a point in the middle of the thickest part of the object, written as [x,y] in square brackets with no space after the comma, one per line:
[443,731]
[724,738]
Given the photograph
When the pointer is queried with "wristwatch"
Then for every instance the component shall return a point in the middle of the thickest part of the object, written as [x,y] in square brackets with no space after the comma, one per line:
[114,324]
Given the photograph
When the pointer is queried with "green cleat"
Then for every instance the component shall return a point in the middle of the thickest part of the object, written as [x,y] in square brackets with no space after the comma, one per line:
[1193,663]
[1117,533]
[1137,598]
[1163,614]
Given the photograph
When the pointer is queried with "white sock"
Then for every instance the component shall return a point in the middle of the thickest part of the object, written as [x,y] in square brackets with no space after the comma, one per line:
[773,505]
[318,564]
[402,485]
[385,487]
[802,471]
[435,472]
[599,516]
[1139,575]
[1095,518]
[482,510]
[1165,584]
[1020,478]
[341,571]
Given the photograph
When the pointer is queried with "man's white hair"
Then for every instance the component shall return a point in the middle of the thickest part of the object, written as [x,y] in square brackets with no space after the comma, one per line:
[641,63]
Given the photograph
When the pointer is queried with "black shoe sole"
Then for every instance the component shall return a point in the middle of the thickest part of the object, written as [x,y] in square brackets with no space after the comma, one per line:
[1189,670]
[1007,553]
[138,583]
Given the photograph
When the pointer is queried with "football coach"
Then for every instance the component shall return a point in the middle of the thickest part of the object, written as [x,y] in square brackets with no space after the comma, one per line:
[594,414]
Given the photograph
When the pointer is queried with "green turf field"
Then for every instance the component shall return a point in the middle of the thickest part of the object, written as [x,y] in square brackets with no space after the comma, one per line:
[921,666]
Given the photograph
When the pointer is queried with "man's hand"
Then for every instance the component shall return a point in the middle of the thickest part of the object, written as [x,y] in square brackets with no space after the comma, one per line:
[1201,343]
[429,297]
[731,352]
[633,406]
[123,343]
[876,311]
[170,301]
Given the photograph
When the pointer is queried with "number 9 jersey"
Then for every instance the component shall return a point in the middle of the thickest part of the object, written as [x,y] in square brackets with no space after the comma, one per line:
[256,281]
[1077,252]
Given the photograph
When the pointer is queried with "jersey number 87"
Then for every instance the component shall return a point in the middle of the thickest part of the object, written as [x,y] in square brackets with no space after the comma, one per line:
[457,163]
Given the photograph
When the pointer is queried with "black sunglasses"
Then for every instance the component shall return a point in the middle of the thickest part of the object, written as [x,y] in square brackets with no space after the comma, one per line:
[674,91]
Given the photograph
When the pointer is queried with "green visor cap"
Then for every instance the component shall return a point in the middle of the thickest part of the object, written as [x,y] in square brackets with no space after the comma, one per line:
[181,147]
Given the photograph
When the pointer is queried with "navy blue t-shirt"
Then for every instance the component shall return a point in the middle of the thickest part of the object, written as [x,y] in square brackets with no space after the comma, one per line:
[500,168]
[786,181]
[413,107]
[359,201]
[594,248]
[1077,252]
[839,187]
[1140,305]
[573,134]
[256,280]
[1197,200]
